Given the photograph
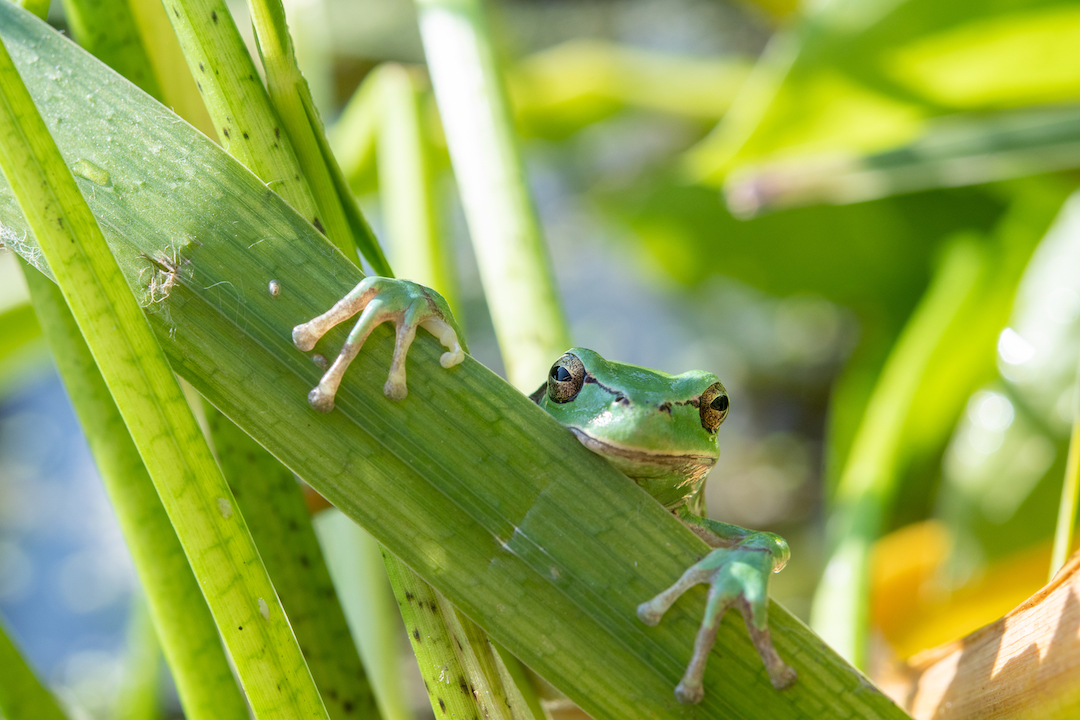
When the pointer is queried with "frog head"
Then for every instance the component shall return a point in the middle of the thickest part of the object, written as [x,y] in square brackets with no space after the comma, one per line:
[658,429]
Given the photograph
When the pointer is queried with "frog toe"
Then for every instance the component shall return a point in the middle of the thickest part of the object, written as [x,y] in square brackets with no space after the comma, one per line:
[689,693]
[304,338]
[378,300]
[737,577]
[320,400]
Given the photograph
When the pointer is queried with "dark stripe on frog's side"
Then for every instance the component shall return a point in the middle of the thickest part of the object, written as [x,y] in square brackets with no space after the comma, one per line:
[619,397]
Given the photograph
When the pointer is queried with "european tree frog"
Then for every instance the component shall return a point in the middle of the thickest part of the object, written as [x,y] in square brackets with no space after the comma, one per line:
[658,429]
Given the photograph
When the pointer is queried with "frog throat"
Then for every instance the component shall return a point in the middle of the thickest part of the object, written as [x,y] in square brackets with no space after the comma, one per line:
[649,468]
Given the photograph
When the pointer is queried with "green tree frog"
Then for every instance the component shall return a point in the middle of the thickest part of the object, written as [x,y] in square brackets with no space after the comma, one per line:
[658,429]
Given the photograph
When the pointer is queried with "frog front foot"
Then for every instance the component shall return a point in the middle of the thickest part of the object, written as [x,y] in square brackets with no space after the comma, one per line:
[408,305]
[738,576]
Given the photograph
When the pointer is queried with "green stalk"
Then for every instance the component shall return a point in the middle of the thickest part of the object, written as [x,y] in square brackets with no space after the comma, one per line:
[353,136]
[542,543]
[868,482]
[1070,497]
[166,58]
[453,692]
[272,502]
[356,566]
[134,367]
[38,7]
[406,188]
[514,265]
[107,29]
[291,98]
[244,119]
[140,694]
[447,645]
[189,638]
[18,327]
[22,696]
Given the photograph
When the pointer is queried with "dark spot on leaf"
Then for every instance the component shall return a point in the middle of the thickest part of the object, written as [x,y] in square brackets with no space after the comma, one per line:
[213,16]
[240,628]
[442,705]
[347,706]
[304,561]
[277,133]
[201,68]
[225,131]
[316,222]
[245,136]
[408,596]
[416,635]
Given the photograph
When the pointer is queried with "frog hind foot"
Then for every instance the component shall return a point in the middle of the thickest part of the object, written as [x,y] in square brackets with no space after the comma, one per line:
[737,577]
[378,300]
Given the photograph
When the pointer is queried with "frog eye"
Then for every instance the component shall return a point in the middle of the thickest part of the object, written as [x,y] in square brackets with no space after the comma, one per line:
[565,379]
[713,407]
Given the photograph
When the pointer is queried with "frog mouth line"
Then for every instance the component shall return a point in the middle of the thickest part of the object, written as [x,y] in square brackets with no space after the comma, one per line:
[674,460]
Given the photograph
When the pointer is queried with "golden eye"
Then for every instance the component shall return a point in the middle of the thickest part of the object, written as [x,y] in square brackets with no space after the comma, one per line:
[713,406]
[565,379]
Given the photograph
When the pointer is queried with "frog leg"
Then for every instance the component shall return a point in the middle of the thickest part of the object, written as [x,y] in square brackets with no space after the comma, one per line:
[378,300]
[738,576]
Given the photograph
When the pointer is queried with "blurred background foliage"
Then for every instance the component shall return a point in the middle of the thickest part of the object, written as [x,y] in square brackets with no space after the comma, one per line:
[857,213]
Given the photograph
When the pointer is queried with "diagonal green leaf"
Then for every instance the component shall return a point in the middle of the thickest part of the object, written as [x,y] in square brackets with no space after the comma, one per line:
[545,545]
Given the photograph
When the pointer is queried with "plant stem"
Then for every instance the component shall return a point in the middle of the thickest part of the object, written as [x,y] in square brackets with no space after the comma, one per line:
[406,189]
[867,484]
[291,98]
[22,696]
[140,694]
[1070,493]
[272,502]
[189,638]
[243,117]
[355,563]
[514,264]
